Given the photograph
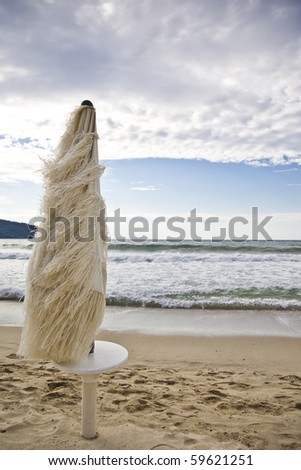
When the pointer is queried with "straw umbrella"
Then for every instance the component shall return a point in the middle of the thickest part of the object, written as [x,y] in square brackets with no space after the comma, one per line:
[66,280]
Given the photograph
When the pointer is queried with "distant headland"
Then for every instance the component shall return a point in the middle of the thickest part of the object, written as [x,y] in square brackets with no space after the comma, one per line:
[10,229]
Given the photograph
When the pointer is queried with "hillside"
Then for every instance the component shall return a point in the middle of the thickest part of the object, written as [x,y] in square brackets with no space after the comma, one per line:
[9,229]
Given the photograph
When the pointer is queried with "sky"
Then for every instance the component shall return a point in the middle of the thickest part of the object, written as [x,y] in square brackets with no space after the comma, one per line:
[198,103]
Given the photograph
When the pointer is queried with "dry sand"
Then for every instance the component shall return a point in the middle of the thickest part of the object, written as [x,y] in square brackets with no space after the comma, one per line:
[175,392]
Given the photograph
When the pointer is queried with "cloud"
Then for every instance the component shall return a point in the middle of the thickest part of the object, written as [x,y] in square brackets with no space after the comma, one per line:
[21,159]
[194,79]
[144,188]
[288,170]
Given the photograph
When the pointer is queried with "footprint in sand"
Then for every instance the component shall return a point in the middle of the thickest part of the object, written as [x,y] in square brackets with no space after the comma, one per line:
[30,389]
[137,405]
[52,395]
[12,356]
[217,392]
[6,370]
[53,385]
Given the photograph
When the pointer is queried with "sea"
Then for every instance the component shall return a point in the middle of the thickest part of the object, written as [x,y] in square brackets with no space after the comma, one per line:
[249,276]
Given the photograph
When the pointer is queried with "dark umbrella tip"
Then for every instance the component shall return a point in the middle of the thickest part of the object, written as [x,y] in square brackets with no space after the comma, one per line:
[86,103]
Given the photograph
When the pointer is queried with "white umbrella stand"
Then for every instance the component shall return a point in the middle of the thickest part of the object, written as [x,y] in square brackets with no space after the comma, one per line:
[106,357]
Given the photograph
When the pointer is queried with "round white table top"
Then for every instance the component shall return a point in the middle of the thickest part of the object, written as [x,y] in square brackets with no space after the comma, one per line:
[106,356]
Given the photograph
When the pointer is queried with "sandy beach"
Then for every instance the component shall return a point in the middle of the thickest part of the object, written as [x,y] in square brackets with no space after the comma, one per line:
[175,392]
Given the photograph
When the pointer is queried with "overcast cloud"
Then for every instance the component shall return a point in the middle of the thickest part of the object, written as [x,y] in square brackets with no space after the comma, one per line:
[214,79]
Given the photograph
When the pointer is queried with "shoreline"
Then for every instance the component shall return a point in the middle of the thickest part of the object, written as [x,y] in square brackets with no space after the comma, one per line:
[184,322]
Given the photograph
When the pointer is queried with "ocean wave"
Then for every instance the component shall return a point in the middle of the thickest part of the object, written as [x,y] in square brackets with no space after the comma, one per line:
[293,247]
[22,244]
[227,304]
[276,298]
[166,256]
[189,257]
[260,247]
[218,299]
[11,293]
[14,255]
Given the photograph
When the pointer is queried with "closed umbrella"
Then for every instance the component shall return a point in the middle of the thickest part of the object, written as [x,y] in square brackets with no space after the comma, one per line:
[66,279]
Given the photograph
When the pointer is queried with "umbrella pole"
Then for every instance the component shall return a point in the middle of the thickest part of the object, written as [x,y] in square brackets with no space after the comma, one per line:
[107,356]
[89,384]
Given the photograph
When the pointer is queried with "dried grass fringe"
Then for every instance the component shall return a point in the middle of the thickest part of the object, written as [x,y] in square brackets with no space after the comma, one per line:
[65,291]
